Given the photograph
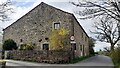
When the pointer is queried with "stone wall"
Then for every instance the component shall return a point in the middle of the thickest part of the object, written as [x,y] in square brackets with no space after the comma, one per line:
[45,56]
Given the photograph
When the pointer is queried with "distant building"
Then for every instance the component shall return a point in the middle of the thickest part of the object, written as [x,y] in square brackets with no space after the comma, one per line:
[36,25]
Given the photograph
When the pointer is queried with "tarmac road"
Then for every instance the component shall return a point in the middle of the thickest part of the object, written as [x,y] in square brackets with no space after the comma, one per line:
[98,61]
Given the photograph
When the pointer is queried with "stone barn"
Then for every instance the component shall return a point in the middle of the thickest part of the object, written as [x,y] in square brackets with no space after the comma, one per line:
[36,25]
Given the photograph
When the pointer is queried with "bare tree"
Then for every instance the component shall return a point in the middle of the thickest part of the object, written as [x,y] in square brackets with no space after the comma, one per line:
[99,8]
[5,10]
[107,30]
[108,12]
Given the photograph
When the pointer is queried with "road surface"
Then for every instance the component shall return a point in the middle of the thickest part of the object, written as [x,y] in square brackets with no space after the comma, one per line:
[97,61]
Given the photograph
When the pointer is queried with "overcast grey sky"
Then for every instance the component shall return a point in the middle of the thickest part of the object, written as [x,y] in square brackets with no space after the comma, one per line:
[21,7]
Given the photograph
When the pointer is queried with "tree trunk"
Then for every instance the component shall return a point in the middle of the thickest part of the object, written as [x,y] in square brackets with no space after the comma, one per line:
[112,47]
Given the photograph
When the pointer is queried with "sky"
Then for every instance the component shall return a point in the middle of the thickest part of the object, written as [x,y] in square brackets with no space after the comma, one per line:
[21,7]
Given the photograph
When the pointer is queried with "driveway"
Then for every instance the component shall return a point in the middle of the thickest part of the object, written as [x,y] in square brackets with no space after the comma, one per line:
[98,61]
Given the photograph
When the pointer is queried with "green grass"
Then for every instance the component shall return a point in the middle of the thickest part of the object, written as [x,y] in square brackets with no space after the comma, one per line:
[78,59]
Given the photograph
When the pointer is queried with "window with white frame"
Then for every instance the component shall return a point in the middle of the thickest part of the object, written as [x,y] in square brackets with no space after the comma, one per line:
[57,25]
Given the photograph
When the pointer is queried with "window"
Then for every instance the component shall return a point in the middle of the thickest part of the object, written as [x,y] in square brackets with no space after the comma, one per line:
[56,25]
[82,35]
[81,47]
[86,39]
[83,50]
[74,46]
[21,40]
[45,46]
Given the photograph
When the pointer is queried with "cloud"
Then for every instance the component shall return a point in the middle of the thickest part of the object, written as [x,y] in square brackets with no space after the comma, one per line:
[101,45]
[2,1]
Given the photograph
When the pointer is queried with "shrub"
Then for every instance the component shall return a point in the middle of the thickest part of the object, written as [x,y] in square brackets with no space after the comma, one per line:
[59,38]
[22,46]
[29,47]
[26,47]
[9,45]
[115,55]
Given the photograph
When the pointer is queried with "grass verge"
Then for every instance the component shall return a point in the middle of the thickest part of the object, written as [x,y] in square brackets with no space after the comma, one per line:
[78,59]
